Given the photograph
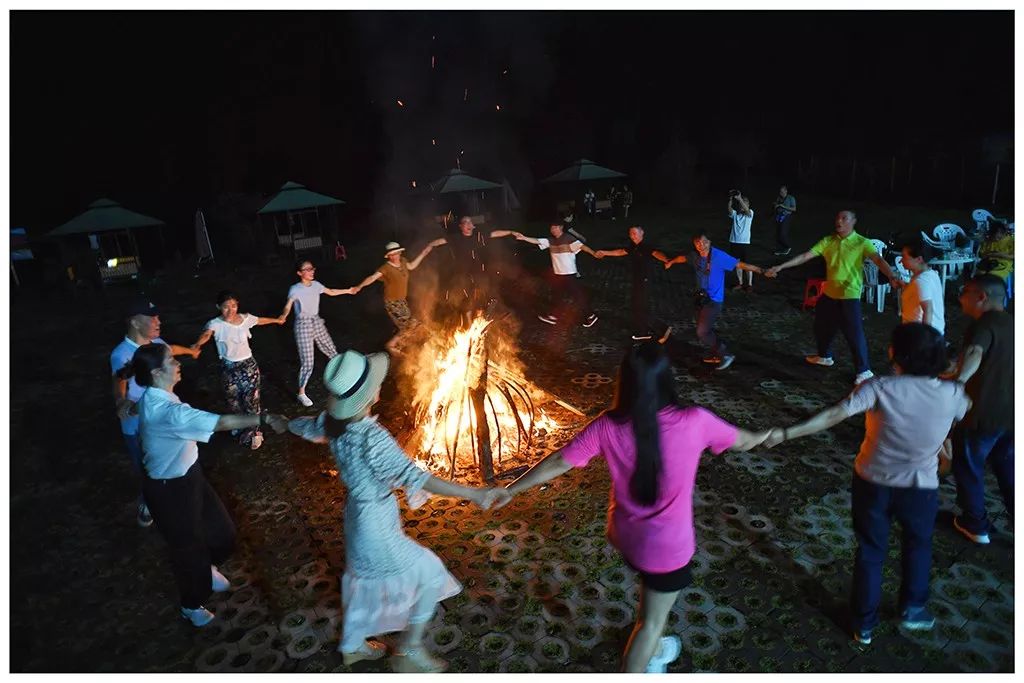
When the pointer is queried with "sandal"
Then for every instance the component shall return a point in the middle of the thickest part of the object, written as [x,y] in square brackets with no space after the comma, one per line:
[371,650]
[417,661]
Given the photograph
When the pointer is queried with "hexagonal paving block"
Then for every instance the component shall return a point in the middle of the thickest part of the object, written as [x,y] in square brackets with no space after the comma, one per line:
[695,598]
[476,620]
[297,621]
[700,640]
[550,651]
[615,614]
[304,644]
[444,639]
[725,619]
[517,664]
[617,577]
[496,645]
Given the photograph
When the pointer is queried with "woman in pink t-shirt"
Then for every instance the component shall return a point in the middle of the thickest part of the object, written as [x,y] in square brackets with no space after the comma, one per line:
[652,446]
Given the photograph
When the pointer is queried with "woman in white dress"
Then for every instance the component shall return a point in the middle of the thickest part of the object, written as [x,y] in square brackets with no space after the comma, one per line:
[390,583]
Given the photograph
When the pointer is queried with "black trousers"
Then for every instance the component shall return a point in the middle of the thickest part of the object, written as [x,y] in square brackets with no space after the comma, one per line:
[782,231]
[196,526]
[563,286]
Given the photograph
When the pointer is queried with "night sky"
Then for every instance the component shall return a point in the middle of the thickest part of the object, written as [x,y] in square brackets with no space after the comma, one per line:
[166,111]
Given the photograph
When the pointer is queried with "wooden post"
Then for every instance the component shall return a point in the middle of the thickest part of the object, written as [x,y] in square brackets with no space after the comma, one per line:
[478,395]
[995,186]
[892,175]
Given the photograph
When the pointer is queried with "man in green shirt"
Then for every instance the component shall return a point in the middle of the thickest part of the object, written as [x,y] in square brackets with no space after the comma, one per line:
[839,307]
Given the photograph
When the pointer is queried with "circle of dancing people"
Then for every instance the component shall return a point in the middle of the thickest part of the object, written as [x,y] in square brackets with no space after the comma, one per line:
[651,441]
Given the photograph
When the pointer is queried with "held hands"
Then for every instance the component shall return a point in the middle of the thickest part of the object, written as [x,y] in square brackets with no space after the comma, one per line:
[279,423]
[125,409]
[518,235]
[599,254]
[486,498]
[194,349]
[776,435]
[772,272]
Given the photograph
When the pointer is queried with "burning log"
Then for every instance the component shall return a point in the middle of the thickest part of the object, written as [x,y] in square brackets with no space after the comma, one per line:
[471,405]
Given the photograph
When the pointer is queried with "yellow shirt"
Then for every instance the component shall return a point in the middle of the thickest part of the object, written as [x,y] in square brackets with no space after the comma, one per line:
[844,263]
[1000,246]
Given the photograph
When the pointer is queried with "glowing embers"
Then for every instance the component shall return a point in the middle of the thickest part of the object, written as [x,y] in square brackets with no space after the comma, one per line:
[471,402]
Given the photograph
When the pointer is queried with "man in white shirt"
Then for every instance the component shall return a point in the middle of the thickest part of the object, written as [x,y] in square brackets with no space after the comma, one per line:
[742,217]
[143,328]
[565,278]
[921,300]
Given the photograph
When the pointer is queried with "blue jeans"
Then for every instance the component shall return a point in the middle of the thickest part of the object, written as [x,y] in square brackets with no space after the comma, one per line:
[874,507]
[133,442]
[706,316]
[832,315]
[971,449]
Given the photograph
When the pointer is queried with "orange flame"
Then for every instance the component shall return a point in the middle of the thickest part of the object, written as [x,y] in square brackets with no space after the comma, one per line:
[448,371]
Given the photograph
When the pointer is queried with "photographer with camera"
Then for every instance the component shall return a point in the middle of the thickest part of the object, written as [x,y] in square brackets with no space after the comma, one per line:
[785,207]
[739,237]
[710,266]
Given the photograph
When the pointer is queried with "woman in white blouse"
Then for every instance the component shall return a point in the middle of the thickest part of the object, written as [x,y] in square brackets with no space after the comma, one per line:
[186,509]
[391,582]
[240,375]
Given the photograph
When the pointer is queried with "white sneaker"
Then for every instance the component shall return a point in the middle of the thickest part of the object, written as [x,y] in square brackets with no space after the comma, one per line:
[305,400]
[819,360]
[143,517]
[257,440]
[863,377]
[220,582]
[198,617]
[668,651]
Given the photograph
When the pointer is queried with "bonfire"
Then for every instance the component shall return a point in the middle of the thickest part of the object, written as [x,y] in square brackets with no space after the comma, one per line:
[472,402]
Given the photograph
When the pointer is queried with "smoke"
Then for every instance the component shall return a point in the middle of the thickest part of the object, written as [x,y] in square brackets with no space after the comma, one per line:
[452,71]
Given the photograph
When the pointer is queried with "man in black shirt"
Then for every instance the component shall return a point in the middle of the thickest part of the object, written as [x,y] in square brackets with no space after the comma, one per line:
[640,254]
[986,432]
[468,285]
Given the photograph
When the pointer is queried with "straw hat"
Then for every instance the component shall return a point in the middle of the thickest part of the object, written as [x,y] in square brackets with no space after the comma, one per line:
[392,247]
[353,380]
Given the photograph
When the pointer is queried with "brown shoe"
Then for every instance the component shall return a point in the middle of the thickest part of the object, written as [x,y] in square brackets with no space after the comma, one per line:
[417,661]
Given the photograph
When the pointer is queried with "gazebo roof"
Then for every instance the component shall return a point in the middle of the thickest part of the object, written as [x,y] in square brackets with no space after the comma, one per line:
[293,197]
[456,180]
[104,215]
[583,169]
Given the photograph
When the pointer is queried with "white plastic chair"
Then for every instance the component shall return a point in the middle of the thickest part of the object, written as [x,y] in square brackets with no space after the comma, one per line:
[904,274]
[981,218]
[947,232]
[874,290]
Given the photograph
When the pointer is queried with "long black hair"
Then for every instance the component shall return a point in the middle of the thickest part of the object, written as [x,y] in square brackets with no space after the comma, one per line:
[645,386]
[147,358]
[918,349]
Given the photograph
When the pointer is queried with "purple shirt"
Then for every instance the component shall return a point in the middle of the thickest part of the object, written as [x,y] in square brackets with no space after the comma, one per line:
[659,538]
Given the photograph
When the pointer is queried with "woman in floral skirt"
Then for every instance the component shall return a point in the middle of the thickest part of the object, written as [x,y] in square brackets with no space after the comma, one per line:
[240,375]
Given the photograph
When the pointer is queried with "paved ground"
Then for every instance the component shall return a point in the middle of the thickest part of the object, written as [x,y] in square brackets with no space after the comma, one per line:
[544,591]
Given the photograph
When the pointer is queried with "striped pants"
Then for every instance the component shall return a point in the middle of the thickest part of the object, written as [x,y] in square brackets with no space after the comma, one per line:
[241,381]
[307,332]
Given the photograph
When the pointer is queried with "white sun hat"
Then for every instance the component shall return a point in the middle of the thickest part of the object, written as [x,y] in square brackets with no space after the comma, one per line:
[353,380]
[392,247]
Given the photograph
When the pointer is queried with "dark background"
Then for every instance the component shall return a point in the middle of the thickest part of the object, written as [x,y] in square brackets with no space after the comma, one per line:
[168,111]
